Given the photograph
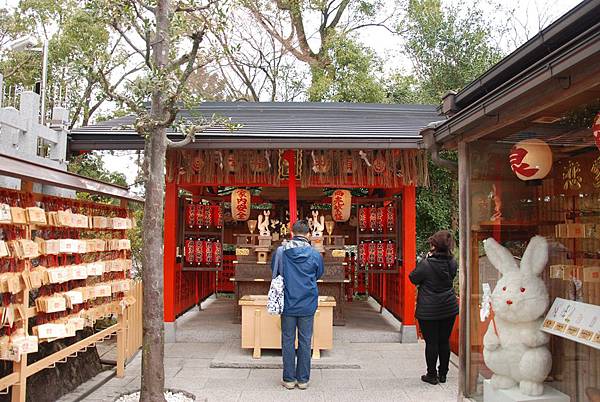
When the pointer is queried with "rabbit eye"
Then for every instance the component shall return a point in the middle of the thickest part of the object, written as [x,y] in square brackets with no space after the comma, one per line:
[522,290]
[504,288]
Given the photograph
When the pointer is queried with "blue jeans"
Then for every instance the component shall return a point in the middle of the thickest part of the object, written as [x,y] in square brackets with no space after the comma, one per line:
[299,371]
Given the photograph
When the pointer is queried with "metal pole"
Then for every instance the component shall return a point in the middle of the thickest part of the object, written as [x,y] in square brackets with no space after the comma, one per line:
[44,82]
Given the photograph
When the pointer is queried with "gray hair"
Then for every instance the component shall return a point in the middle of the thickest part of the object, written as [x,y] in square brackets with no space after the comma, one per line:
[300,227]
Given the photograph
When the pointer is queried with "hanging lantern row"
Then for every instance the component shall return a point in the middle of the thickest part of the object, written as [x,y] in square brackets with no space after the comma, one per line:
[531,159]
[341,204]
[241,204]
[204,216]
[377,254]
[204,253]
[377,220]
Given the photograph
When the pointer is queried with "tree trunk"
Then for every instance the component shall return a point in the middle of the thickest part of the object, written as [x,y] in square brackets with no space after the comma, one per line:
[153,375]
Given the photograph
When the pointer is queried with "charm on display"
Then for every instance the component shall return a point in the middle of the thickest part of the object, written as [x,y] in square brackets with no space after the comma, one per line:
[514,347]
[531,159]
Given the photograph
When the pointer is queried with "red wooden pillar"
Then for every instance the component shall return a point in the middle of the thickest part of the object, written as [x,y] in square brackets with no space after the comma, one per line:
[169,264]
[290,155]
[409,253]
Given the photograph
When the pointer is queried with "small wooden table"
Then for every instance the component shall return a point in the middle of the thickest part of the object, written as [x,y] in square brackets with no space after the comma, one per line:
[261,330]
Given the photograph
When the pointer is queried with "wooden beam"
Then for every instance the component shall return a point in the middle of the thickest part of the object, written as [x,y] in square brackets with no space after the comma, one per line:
[409,253]
[63,354]
[170,246]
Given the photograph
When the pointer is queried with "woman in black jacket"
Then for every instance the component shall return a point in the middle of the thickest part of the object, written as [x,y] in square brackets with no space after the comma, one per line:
[437,306]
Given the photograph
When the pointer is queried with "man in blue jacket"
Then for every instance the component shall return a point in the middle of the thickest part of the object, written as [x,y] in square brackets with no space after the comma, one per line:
[301,266]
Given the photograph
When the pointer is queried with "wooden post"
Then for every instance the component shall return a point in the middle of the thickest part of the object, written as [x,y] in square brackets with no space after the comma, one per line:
[256,353]
[290,155]
[121,344]
[464,372]
[170,235]
[315,340]
[19,390]
[409,253]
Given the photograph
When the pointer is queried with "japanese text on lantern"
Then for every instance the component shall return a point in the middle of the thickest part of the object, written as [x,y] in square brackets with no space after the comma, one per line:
[338,205]
[241,209]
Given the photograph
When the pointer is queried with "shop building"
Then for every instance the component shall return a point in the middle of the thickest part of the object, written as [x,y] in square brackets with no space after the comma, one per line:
[528,139]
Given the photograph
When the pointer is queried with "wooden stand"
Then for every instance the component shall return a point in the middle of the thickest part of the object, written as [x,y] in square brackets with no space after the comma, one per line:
[261,330]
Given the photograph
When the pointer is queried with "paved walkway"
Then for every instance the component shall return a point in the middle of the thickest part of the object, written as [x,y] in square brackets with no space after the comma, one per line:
[389,371]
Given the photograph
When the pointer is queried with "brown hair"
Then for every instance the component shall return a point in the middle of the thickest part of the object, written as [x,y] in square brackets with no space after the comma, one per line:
[442,242]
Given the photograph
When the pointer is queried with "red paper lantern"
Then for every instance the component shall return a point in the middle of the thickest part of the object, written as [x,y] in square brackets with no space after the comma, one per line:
[241,204]
[531,159]
[596,129]
[341,202]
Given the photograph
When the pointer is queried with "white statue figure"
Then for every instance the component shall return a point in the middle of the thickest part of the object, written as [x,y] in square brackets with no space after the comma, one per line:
[514,347]
[317,224]
[263,224]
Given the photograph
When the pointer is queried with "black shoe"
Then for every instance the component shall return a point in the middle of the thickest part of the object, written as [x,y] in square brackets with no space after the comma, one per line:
[442,378]
[429,379]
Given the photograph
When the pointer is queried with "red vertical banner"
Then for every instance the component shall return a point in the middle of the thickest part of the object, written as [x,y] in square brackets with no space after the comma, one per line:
[170,241]
[409,253]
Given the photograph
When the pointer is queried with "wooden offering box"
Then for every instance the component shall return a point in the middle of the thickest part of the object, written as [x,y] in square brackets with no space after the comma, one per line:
[261,330]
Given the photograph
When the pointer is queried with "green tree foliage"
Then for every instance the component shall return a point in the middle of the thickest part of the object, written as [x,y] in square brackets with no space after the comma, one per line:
[448,47]
[352,75]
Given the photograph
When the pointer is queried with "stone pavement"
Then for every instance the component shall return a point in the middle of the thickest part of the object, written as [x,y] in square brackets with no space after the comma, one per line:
[389,372]
[208,362]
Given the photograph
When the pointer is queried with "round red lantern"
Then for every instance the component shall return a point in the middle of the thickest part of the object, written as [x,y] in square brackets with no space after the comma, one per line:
[531,159]
[596,129]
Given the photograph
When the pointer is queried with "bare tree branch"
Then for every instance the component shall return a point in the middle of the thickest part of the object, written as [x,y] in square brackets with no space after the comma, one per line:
[190,134]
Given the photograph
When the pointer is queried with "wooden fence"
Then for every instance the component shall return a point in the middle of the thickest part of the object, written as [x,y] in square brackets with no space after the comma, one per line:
[133,321]
[129,340]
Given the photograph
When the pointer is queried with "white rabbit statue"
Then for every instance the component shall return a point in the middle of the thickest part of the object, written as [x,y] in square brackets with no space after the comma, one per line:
[514,347]
[318,224]
[263,224]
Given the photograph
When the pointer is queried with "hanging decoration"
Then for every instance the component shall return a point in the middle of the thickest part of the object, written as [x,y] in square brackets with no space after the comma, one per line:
[596,129]
[321,162]
[321,168]
[241,203]
[259,163]
[348,164]
[531,159]
[341,203]
[197,163]
[379,164]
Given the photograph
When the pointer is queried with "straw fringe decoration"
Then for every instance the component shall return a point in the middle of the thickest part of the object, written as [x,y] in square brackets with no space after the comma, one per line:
[327,168]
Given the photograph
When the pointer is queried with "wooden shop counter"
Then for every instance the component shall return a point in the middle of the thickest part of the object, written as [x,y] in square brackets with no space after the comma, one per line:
[261,330]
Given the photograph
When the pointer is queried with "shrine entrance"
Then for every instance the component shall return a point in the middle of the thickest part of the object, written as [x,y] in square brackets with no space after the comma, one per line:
[230,198]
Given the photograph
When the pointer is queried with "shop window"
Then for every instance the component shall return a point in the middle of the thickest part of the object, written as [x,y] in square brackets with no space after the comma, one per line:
[511,204]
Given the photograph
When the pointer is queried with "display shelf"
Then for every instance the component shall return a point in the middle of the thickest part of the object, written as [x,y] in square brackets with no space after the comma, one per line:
[200,233]
[369,235]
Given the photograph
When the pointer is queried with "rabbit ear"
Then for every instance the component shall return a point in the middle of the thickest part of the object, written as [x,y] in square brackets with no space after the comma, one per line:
[535,257]
[500,257]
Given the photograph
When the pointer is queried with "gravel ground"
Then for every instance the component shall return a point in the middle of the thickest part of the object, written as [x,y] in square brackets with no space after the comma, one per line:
[169,396]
